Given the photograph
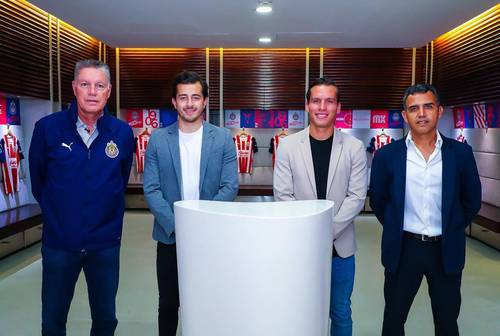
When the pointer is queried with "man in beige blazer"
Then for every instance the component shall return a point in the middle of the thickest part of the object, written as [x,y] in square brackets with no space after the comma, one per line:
[323,163]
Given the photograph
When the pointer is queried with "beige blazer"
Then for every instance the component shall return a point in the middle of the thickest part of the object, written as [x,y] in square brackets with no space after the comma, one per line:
[347,181]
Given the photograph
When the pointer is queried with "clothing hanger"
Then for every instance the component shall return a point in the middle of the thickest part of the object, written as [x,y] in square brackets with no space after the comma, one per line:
[283,132]
[243,132]
[383,133]
[145,132]
[9,131]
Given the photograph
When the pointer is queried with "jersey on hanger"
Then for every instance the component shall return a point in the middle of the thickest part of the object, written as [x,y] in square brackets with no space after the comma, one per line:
[275,141]
[381,140]
[140,151]
[378,141]
[10,158]
[244,153]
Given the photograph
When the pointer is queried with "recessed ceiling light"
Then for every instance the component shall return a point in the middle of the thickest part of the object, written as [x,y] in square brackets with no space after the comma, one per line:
[264,7]
[265,39]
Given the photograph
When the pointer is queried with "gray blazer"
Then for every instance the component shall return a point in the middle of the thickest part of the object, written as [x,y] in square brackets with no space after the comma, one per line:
[346,187]
[163,177]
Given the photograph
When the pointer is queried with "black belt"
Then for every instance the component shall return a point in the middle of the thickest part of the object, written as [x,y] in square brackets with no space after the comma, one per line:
[423,237]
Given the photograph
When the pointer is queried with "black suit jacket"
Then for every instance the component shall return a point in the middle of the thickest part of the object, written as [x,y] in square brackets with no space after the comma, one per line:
[461,200]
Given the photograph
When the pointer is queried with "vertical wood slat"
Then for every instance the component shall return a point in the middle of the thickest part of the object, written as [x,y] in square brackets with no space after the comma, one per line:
[315,63]
[413,65]
[58,62]
[207,79]
[221,87]
[420,65]
[51,68]
[109,56]
[118,82]
[214,79]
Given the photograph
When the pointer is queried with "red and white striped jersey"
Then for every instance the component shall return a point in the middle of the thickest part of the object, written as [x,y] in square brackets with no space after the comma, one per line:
[381,140]
[140,150]
[275,141]
[244,152]
[10,158]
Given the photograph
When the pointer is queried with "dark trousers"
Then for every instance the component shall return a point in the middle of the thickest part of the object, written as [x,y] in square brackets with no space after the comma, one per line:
[59,276]
[168,289]
[418,259]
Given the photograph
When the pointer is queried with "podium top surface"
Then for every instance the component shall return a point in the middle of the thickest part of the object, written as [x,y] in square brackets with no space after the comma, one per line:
[269,210]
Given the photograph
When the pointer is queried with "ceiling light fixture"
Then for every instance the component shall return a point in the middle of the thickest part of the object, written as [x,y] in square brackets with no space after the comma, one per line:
[265,39]
[264,7]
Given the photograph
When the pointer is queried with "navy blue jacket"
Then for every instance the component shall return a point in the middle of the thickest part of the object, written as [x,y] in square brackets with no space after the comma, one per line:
[80,189]
[461,200]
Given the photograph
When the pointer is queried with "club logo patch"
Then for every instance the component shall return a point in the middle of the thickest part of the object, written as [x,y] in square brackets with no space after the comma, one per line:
[112,150]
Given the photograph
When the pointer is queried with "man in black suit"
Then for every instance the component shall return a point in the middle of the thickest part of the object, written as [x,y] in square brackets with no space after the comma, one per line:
[425,190]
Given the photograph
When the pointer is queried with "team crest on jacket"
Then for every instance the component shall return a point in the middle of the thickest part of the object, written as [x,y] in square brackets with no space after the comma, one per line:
[111,149]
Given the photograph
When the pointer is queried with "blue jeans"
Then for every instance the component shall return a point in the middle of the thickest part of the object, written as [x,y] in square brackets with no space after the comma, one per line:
[342,284]
[59,276]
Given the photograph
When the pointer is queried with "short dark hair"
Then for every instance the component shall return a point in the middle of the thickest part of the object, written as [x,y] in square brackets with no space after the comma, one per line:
[189,77]
[419,88]
[91,63]
[323,81]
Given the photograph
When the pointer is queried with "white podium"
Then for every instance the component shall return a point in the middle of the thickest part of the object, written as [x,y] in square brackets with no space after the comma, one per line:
[254,269]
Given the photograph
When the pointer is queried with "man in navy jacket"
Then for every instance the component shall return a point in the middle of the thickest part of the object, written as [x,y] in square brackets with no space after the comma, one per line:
[425,190]
[80,161]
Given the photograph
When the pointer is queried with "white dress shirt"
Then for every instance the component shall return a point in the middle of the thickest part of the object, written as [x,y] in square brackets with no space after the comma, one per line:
[190,150]
[423,193]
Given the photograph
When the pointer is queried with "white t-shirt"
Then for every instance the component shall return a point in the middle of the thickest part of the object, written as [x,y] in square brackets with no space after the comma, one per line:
[190,149]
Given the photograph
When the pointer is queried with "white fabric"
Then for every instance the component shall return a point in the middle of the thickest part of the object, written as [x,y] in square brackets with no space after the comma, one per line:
[423,195]
[190,150]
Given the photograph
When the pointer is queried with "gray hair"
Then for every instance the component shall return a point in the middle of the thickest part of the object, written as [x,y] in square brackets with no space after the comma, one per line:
[92,63]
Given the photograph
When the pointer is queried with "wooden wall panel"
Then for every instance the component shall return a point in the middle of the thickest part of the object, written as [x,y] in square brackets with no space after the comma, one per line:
[111,62]
[370,78]
[467,61]
[55,80]
[420,66]
[146,74]
[24,49]
[264,78]
[214,79]
[314,64]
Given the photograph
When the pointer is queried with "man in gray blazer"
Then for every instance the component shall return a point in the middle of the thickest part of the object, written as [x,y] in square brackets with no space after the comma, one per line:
[323,163]
[188,160]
